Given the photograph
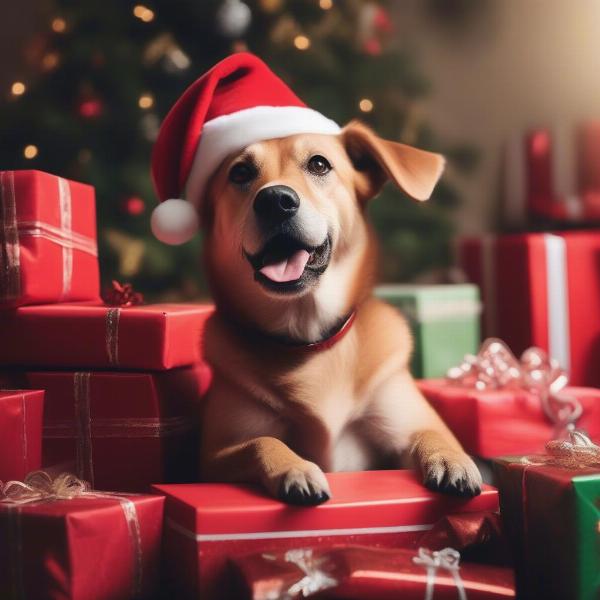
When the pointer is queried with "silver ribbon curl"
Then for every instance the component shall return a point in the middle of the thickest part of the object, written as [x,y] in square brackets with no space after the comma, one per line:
[576,452]
[447,559]
[496,367]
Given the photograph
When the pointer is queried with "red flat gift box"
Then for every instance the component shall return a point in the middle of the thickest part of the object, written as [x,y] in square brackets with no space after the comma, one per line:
[86,548]
[208,523]
[20,432]
[492,423]
[122,431]
[48,247]
[149,337]
[541,289]
[362,573]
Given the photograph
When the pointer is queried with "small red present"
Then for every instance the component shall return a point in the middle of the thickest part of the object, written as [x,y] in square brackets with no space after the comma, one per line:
[365,573]
[20,432]
[122,431]
[209,523]
[48,247]
[62,540]
[532,287]
[149,337]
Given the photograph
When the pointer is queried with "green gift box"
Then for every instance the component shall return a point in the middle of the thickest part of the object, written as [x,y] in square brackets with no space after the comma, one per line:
[444,320]
[551,515]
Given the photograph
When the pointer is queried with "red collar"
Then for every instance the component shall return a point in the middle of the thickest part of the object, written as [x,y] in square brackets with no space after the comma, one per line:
[333,339]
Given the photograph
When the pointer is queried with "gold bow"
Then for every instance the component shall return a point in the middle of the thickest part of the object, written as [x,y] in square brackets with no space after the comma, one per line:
[39,485]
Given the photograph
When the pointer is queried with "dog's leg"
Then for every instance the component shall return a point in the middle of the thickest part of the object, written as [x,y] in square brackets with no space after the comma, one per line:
[403,421]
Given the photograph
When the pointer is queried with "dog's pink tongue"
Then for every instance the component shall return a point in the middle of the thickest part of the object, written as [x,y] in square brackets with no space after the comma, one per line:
[289,269]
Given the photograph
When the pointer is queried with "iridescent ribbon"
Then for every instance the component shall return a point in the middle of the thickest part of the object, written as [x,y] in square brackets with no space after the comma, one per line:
[447,559]
[39,487]
[496,367]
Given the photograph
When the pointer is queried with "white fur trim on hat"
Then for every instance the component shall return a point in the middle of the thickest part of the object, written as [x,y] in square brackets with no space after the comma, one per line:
[224,135]
[174,221]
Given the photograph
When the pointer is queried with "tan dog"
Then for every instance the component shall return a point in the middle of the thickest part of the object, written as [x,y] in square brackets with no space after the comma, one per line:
[291,256]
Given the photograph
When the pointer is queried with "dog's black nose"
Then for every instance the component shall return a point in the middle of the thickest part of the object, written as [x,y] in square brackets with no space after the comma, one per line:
[276,204]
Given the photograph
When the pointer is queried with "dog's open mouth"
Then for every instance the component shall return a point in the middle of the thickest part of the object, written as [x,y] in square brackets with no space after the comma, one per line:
[286,264]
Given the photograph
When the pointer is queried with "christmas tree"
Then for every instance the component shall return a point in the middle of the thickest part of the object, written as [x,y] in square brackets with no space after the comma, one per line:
[104,74]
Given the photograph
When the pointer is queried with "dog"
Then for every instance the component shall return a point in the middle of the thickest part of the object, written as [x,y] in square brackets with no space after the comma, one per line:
[311,372]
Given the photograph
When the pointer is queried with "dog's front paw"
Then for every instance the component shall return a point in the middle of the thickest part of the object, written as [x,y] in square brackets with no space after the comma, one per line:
[452,473]
[304,485]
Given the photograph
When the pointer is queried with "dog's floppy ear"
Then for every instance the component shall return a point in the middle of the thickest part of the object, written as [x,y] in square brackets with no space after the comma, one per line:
[376,160]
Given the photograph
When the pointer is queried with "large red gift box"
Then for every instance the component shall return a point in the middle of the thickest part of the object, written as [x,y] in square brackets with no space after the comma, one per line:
[47,239]
[541,289]
[88,336]
[365,573]
[122,431]
[90,547]
[20,432]
[496,422]
[209,523]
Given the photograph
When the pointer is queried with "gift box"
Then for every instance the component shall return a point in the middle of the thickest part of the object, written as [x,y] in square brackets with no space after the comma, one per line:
[61,540]
[444,320]
[21,414]
[90,336]
[48,247]
[532,286]
[551,512]
[122,431]
[208,523]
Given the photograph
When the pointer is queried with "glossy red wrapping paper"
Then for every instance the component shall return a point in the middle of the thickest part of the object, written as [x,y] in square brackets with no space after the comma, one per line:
[21,414]
[148,337]
[492,423]
[122,431]
[209,523]
[48,247]
[81,549]
[363,573]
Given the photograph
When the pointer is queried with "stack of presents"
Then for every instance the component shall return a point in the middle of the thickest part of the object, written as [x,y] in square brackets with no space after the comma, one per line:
[100,402]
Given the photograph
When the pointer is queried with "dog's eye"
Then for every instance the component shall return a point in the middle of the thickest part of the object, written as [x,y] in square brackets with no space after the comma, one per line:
[319,165]
[242,173]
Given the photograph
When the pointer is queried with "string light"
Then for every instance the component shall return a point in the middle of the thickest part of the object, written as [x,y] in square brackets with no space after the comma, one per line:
[59,25]
[301,42]
[50,61]
[30,151]
[326,4]
[143,13]
[146,101]
[365,105]
[18,88]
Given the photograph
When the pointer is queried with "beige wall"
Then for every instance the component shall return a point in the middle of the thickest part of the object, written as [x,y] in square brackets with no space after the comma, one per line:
[519,62]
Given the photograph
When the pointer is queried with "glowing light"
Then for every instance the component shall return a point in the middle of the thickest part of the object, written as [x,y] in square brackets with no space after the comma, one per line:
[50,61]
[143,13]
[58,25]
[30,151]
[18,88]
[146,101]
[365,105]
[326,4]
[301,42]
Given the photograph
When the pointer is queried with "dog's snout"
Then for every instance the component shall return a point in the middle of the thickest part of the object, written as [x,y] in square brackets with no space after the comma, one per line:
[276,203]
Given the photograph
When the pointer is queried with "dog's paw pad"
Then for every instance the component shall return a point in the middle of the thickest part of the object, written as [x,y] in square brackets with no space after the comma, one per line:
[454,474]
[304,486]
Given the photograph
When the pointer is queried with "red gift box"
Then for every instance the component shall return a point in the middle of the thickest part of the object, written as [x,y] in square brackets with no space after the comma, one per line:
[90,547]
[208,523]
[20,432]
[364,573]
[122,431]
[532,287]
[150,337]
[48,247]
[492,423]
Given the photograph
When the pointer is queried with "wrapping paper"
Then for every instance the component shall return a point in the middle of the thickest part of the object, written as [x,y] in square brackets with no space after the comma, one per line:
[150,337]
[48,247]
[21,414]
[490,423]
[83,548]
[364,573]
[208,523]
[122,431]
[532,286]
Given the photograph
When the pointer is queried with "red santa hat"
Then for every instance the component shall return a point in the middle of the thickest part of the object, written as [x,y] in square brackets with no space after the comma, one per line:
[238,102]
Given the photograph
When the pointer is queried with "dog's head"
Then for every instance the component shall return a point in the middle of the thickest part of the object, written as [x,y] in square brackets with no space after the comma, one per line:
[285,222]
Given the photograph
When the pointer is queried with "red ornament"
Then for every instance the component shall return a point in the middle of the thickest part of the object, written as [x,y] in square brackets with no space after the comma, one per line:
[382,21]
[90,108]
[122,295]
[372,47]
[134,206]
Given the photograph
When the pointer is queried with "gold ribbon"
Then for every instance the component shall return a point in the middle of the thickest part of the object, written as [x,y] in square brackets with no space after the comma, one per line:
[84,462]
[39,487]
[10,261]
[66,220]
[576,452]
[113,316]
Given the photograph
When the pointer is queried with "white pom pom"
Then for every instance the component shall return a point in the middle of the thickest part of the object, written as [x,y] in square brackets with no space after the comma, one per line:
[174,221]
